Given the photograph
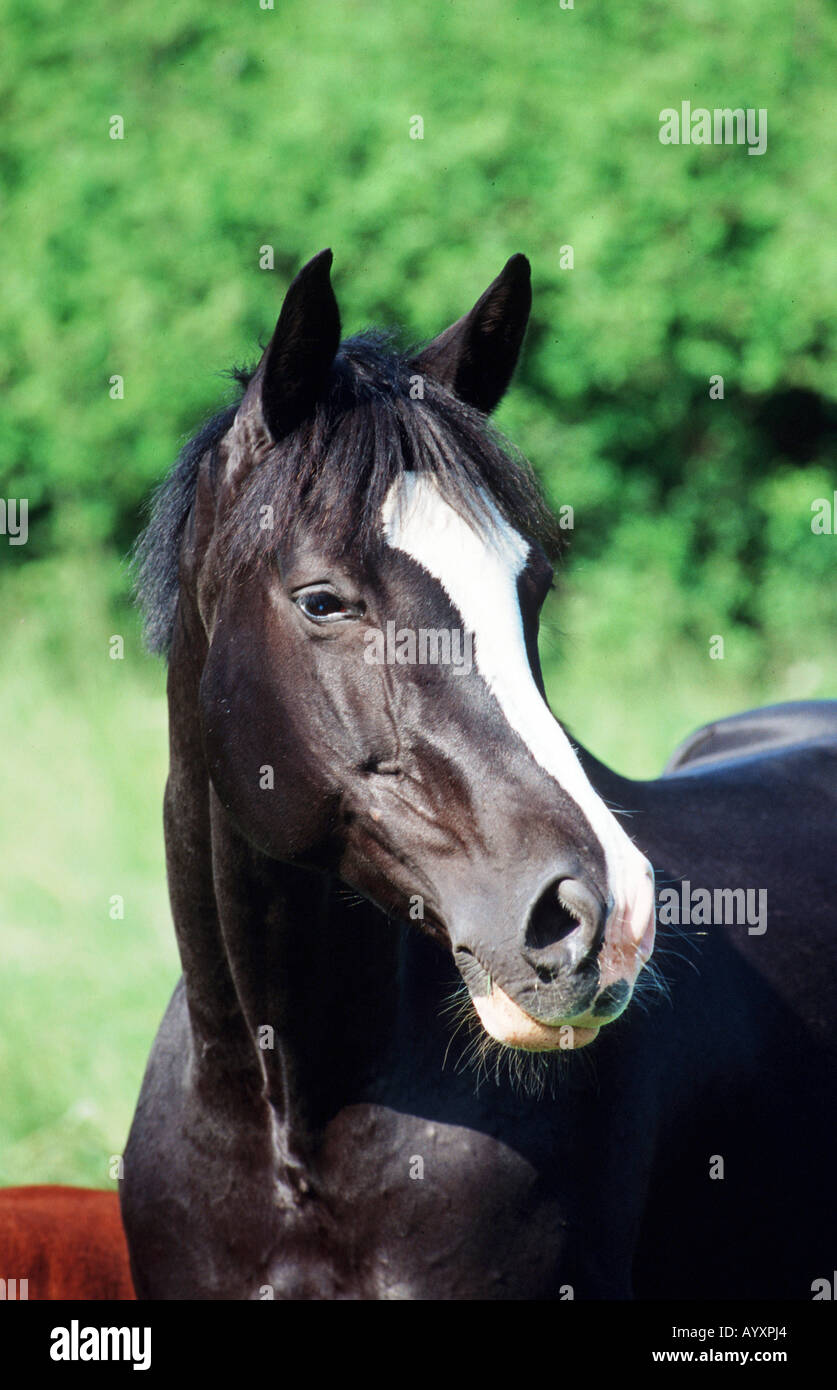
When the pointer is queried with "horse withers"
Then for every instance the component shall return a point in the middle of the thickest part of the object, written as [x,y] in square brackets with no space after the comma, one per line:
[412,912]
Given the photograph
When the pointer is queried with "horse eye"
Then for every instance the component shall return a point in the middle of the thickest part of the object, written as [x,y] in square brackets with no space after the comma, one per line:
[322,603]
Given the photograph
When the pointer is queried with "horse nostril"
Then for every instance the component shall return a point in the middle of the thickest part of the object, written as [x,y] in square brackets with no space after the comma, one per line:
[563,907]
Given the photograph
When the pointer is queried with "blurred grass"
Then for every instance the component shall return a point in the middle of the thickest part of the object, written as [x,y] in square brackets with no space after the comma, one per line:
[84,763]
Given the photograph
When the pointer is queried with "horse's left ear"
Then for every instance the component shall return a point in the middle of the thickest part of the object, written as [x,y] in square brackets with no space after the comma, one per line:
[476,357]
[298,359]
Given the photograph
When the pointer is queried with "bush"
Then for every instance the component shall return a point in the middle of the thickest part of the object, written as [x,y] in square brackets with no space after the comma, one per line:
[291,128]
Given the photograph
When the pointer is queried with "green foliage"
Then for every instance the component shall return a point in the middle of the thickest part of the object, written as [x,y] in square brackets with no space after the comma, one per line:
[291,128]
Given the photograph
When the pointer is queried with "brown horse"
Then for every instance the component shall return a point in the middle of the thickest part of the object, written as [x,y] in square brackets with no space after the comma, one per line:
[62,1243]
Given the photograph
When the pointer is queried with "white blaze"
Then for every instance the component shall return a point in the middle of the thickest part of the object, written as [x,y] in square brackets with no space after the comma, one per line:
[479,569]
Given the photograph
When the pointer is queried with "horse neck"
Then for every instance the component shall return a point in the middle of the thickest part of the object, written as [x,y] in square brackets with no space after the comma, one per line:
[217,1024]
[277,966]
[619,793]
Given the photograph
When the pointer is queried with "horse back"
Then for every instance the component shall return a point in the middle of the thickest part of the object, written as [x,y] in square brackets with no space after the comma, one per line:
[757,731]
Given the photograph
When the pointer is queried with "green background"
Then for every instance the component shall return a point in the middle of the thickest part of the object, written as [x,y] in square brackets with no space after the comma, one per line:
[139,257]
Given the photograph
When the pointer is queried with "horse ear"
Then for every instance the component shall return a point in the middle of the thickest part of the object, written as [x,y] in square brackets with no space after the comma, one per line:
[298,359]
[476,357]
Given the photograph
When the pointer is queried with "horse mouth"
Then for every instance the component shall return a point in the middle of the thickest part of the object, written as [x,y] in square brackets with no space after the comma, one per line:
[505,1021]
[571,1027]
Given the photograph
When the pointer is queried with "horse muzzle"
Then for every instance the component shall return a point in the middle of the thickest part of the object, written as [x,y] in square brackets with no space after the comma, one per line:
[573,972]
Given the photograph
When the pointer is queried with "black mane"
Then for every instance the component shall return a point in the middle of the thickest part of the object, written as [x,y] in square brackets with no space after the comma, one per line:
[333,473]
[156,553]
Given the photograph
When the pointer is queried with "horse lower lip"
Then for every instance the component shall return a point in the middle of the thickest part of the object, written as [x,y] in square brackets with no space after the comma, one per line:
[505,1021]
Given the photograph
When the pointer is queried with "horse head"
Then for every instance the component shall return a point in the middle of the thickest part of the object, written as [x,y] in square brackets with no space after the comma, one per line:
[368,561]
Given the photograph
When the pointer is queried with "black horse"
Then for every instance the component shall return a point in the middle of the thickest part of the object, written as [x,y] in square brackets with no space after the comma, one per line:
[408,915]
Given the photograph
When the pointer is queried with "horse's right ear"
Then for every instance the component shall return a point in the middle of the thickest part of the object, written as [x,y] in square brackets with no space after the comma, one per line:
[476,357]
[296,364]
